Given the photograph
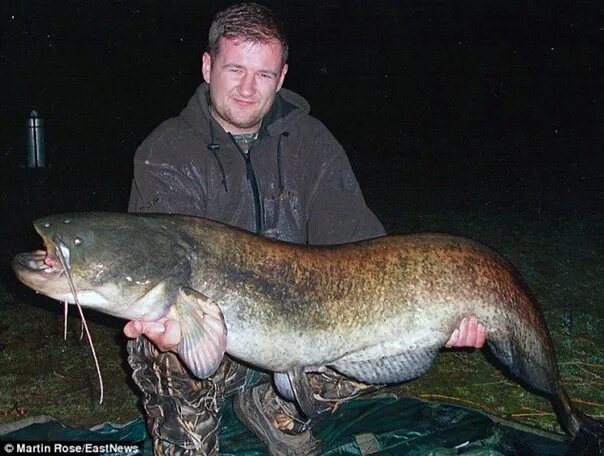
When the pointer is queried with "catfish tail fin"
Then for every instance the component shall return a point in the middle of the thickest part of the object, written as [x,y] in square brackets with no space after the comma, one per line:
[587,432]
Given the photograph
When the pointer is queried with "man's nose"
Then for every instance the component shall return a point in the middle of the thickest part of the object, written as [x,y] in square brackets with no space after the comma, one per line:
[247,85]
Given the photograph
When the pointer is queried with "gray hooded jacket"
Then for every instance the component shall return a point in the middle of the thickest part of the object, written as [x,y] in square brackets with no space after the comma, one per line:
[295,184]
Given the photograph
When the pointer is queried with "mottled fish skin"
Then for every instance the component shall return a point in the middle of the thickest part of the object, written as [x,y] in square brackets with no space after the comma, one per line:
[377,310]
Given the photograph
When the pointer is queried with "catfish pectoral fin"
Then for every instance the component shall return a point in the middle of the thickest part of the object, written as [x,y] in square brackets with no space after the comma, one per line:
[203,331]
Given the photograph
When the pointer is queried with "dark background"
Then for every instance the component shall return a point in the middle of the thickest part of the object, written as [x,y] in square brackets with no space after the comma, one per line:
[469,106]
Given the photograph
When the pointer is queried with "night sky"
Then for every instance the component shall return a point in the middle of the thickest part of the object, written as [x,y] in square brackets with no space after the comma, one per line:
[488,106]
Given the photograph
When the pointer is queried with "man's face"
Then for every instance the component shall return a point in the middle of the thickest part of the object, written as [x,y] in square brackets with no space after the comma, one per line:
[244,78]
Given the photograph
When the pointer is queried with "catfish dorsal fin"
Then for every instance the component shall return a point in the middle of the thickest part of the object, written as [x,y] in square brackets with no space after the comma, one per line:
[203,332]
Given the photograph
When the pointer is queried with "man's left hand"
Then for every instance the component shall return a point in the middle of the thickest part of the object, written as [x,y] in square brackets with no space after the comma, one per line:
[469,334]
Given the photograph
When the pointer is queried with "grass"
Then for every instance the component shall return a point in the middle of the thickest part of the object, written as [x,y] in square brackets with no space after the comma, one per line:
[43,374]
[562,260]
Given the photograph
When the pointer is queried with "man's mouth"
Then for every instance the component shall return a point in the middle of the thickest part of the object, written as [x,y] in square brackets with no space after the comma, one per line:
[244,102]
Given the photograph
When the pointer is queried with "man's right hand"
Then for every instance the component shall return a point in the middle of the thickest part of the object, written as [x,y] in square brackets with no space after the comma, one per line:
[164,333]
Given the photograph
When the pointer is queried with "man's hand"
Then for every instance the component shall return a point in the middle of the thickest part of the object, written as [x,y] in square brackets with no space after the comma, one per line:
[469,334]
[164,333]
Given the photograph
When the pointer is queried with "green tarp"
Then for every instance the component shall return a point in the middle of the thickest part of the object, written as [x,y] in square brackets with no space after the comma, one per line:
[384,426]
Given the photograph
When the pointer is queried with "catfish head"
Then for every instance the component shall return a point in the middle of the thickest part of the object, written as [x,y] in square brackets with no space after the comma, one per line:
[120,264]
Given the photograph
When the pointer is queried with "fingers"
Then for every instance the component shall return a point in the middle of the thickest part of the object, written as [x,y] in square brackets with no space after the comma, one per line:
[170,338]
[452,342]
[470,333]
[481,336]
[460,335]
[471,326]
[133,329]
[164,333]
[476,334]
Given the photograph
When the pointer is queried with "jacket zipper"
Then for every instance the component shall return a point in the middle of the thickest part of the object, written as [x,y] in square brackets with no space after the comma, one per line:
[251,177]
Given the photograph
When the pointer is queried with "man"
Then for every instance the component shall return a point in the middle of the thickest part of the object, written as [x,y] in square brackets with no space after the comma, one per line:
[247,153]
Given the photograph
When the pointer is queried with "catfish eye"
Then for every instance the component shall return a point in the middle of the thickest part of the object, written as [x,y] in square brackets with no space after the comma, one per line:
[78,241]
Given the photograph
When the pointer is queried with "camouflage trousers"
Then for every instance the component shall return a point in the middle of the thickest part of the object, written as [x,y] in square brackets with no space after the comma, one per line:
[183,413]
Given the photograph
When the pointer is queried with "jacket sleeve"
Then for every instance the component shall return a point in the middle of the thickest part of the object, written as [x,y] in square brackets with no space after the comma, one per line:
[337,211]
[161,183]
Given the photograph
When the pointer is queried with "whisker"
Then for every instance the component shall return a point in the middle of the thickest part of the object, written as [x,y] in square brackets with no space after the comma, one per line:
[84,324]
[65,311]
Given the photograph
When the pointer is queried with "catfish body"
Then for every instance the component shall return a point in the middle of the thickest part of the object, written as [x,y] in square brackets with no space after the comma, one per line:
[377,311]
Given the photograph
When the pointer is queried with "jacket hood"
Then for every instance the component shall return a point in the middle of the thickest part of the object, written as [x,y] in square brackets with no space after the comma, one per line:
[286,109]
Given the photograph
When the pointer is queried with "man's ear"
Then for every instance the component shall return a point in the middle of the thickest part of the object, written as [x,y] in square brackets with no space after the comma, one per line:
[206,66]
[282,77]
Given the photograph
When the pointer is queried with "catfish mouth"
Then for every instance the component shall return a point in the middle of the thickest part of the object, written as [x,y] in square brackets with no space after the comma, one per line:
[44,264]
[45,272]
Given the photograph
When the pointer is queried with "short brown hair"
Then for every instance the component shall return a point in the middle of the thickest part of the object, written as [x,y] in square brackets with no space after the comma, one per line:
[248,22]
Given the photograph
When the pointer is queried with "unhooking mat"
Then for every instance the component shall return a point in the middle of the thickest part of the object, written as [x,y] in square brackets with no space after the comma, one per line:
[380,426]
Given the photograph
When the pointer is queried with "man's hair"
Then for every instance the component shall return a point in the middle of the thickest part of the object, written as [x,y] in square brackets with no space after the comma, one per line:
[246,22]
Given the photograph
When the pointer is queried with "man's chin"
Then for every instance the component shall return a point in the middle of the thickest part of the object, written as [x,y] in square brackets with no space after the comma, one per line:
[240,119]
[246,124]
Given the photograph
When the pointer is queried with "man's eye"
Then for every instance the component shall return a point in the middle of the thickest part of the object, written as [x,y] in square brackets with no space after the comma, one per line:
[266,76]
